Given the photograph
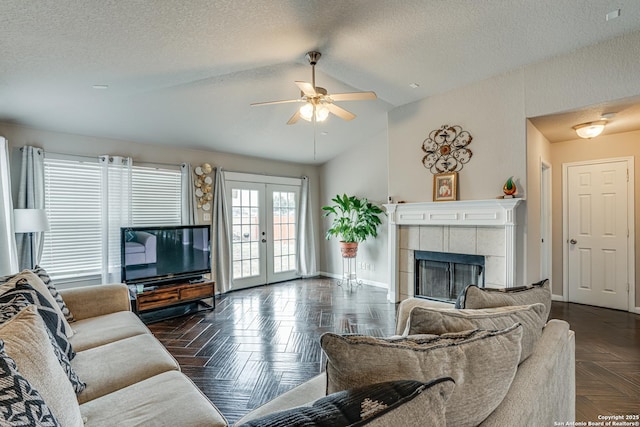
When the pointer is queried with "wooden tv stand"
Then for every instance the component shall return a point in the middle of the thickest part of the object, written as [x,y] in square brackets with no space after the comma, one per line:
[164,296]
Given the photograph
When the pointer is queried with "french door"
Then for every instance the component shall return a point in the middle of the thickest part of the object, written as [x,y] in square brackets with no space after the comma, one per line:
[263,221]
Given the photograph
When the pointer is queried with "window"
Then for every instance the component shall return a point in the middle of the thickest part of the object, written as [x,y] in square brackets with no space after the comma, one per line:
[73,199]
[73,246]
[155,196]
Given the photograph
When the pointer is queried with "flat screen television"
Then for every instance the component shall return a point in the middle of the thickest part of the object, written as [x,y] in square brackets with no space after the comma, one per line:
[164,254]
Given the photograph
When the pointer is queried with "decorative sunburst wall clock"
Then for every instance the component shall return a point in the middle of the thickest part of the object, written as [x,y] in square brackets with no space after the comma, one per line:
[446,149]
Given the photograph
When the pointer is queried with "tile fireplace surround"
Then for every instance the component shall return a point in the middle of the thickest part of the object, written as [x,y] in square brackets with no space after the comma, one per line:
[474,227]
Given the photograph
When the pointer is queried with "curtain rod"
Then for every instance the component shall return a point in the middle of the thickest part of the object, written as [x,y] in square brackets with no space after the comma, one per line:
[264,174]
[96,157]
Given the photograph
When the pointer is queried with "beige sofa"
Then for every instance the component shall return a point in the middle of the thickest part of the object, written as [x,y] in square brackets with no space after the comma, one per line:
[542,392]
[132,380]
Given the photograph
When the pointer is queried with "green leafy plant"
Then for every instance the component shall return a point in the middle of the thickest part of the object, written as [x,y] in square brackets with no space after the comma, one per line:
[354,219]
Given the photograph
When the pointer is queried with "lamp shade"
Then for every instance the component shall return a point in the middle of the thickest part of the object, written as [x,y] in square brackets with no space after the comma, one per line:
[30,220]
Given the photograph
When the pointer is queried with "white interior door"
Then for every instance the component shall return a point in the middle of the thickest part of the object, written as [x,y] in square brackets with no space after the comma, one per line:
[597,245]
[263,232]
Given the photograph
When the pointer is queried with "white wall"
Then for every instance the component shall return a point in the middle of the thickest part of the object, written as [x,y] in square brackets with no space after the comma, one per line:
[538,150]
[361,171]
[491,110]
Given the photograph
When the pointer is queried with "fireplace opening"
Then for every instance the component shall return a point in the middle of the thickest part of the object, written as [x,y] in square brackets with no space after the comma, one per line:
[442,275]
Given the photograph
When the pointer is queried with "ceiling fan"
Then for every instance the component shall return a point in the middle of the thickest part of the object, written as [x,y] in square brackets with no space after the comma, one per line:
[317,102]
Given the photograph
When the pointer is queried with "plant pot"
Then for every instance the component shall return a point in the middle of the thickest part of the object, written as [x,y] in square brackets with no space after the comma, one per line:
[349,249]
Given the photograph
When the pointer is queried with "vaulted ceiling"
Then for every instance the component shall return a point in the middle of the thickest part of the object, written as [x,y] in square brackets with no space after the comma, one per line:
[183,73]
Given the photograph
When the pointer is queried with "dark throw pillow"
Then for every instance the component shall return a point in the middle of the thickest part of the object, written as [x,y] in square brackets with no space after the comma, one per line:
[381,404]
[20,403]
[51,318]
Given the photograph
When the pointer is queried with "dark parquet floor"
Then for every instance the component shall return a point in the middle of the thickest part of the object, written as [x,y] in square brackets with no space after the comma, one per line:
[607,360]
[261,342]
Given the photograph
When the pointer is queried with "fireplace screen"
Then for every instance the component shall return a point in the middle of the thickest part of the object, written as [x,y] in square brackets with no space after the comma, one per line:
[442,276]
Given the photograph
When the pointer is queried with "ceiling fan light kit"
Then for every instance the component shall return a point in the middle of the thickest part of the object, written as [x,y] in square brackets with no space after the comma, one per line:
[318,103]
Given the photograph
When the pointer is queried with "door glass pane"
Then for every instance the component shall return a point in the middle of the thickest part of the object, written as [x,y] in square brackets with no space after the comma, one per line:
[284,231]
[245,233]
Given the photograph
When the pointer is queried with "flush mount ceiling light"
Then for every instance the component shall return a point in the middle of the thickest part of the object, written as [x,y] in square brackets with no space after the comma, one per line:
[591,129]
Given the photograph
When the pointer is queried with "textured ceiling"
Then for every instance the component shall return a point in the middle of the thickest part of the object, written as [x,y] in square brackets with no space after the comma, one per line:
[184,72]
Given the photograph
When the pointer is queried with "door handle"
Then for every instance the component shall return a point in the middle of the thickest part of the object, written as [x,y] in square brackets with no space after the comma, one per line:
[573,241]
[264,240]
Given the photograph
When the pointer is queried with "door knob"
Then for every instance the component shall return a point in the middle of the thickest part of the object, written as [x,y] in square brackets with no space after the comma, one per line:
[573,241]
[264,240]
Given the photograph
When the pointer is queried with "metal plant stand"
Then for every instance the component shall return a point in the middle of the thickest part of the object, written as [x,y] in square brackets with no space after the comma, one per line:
[349,273]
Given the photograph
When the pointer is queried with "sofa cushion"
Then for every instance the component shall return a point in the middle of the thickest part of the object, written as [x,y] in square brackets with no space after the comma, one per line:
[34,281]
[52,317]
[46,279]
[424,320]
[116,365]
[475,297]
[169,399]
[482,363]
[381,404]
[21,404]
[12,307]
[100,330]
[27,343]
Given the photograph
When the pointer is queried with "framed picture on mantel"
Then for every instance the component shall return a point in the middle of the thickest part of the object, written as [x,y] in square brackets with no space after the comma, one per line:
[445,187]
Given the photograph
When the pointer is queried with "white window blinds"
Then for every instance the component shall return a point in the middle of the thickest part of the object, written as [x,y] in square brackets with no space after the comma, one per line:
[155,196]
[73,246]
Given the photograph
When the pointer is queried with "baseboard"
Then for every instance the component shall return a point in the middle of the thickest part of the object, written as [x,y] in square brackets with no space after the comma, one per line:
[560,298]
[364,281]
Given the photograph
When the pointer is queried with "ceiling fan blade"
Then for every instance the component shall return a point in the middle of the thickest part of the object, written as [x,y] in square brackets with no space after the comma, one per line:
[340,112]
[296,116]
[353,96]
[284,101]
[307,88]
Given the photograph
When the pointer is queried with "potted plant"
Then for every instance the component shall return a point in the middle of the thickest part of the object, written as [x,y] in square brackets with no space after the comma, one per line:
[354,221]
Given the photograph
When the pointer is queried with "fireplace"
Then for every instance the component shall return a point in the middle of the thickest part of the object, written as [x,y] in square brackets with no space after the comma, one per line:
[479,227]
[442,276]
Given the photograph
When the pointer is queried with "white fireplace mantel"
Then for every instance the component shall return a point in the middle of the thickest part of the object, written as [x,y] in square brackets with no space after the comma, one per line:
[465,213]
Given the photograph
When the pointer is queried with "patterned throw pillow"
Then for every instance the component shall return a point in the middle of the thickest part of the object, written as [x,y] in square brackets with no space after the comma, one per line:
[20,403]
[39,286]
[12,307]
[27,343]
[475,297]
[51,318]
[42,274]
[381,404]
[482,363]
